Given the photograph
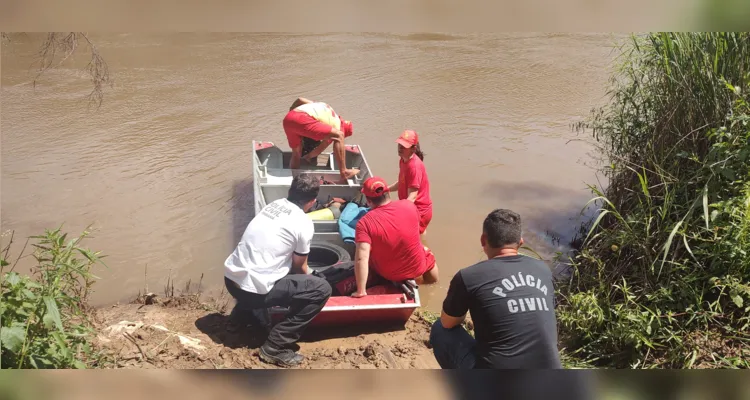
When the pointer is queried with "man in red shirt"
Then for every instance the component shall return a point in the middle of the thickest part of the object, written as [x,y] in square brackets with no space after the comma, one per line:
[387,240]
[319,122]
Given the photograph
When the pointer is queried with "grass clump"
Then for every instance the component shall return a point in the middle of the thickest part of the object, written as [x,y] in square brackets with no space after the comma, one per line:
[44,317]
[662,276]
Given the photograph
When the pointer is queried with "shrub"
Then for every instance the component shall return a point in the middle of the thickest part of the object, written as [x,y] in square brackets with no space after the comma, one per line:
[44,316]
[662,277]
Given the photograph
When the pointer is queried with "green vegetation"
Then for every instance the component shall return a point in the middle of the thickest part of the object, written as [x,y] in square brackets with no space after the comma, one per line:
[44,317]
[662,278]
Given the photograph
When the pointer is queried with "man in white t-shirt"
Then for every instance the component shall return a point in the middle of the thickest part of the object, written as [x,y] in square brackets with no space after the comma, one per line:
[269,268]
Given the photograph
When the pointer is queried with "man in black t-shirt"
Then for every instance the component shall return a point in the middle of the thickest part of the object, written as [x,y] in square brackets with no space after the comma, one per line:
[511,300]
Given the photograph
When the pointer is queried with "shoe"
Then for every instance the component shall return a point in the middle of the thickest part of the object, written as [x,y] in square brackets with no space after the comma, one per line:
[283,358]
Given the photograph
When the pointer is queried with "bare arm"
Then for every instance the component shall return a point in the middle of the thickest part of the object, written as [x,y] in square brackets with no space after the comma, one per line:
[449,322]
[412,194]
[393,187]
[296,157]
[336,135]
[299,264]
[300,101]
[361,268]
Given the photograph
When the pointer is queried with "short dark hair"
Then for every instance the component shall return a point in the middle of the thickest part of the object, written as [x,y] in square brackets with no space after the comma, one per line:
[305,187]
[502,227]
[380,199]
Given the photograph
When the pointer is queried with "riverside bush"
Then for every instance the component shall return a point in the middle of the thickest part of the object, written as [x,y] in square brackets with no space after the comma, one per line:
[662,275]
[44,317]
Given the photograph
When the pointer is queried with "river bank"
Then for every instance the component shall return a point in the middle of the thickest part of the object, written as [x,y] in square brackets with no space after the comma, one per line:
[188,332]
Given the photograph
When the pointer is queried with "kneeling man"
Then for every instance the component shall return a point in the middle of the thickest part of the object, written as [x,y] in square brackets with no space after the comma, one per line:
[388,241]
[511,300]
[269,268]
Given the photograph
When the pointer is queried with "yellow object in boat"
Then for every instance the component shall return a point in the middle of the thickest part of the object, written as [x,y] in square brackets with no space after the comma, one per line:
[330,213]
[324,214]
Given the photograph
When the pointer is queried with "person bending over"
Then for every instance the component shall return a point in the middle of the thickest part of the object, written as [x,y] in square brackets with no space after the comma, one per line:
[511,300]
[317,121]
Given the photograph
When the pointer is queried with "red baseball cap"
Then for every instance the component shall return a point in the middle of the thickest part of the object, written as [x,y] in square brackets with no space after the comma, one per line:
[347,127]
[408,138]
[374,187]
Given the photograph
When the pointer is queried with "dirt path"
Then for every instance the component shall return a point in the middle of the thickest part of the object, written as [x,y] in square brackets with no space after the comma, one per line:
[185,333]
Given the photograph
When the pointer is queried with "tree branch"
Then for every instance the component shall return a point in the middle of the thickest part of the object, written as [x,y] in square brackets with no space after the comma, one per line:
[67,44]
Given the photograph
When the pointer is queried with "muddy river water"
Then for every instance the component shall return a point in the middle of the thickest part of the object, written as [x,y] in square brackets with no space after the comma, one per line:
[163,170]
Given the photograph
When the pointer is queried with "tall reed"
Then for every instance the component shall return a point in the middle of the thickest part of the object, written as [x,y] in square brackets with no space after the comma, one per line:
[662,276]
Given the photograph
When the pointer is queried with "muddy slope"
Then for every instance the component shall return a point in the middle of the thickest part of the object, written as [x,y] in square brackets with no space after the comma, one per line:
[185,333]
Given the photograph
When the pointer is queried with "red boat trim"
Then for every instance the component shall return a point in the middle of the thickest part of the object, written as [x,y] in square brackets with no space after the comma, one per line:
[415,303]
[263,145]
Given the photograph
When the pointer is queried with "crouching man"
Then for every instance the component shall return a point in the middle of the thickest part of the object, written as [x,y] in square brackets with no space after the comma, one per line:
[269,268]
[388,241]
[511,300]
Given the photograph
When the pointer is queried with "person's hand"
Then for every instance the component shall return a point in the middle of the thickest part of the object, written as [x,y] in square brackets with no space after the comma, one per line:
[359,295]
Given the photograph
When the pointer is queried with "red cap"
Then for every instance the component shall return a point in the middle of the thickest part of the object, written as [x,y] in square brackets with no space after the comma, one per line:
[408,138]
[347,127]
[374,187]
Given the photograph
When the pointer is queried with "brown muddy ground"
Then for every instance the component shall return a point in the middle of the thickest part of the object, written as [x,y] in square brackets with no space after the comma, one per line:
[185,333]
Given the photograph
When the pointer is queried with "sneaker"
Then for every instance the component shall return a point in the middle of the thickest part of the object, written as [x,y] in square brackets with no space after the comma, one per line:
[283,358]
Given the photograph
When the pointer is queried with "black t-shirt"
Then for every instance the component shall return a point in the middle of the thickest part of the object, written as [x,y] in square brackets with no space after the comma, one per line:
[511,300]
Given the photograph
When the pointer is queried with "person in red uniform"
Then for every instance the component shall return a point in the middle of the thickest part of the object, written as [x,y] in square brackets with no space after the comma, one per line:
[413,184]
[387,240]
[320,123]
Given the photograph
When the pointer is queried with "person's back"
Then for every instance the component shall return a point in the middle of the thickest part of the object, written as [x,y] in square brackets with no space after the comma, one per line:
[393,231]
[512,307]
[264,254]
[511,300]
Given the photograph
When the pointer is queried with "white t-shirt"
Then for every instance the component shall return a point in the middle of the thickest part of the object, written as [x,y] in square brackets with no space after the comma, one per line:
[264,254]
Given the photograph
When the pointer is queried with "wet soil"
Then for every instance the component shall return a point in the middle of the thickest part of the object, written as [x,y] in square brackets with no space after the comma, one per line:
[185,333]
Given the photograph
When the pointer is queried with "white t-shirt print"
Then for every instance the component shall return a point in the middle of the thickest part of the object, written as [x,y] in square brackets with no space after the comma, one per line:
[264,254]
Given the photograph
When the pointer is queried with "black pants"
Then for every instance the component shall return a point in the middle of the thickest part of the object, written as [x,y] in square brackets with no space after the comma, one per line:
[453,348]
[305,295]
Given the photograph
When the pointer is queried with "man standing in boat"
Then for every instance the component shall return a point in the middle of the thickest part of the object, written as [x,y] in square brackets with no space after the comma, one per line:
[388,241]
[320,124]
[269,268]
[511,300]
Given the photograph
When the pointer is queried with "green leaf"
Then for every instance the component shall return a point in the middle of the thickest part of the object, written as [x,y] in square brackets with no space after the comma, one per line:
[687,247]
[63,346]
[714,214]
[595,224]
[668,245]
[738,301]
[53,312]
[49,322]
[79,365]
[12,338]
[3,263]
[28,293]
[692,360]
[705,205]
[13,279]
